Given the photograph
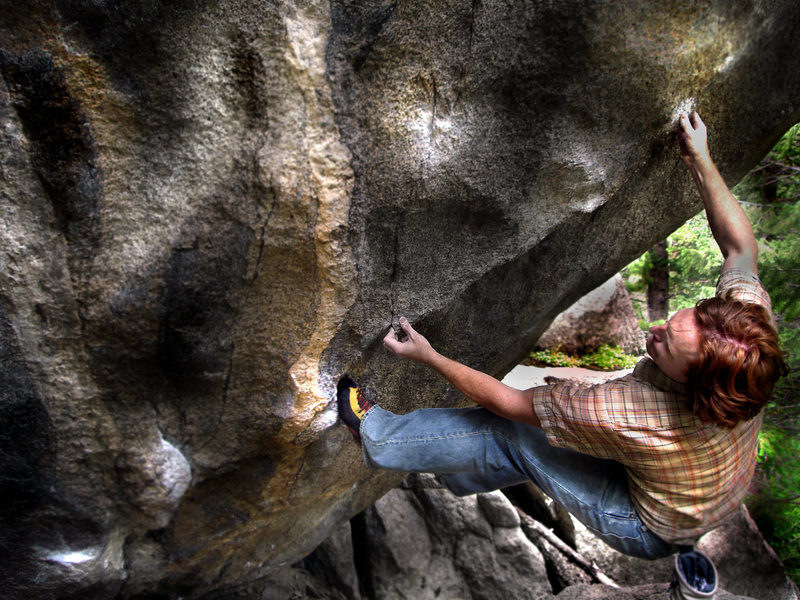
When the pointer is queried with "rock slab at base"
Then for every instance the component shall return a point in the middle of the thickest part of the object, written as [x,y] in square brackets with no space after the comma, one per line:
[421,541]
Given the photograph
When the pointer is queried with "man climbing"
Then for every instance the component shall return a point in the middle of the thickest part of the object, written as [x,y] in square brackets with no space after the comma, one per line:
[647,462]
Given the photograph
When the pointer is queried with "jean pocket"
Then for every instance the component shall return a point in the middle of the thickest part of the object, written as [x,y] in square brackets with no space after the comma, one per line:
[616,500]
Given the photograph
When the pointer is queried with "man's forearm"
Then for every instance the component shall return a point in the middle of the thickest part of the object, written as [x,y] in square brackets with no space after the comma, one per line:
[479,387]
[729,224]
[485,390]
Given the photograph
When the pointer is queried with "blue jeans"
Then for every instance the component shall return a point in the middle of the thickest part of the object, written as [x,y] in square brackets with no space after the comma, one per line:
[475,450]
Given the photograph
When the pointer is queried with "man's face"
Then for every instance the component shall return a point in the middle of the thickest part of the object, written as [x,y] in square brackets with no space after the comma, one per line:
[675,344]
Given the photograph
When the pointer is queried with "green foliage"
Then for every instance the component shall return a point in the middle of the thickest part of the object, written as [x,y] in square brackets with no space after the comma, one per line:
[694,261]
[776,508]
[551,358]
[637,274]
[610,358]
[605,358]
[786,150]
[645,325]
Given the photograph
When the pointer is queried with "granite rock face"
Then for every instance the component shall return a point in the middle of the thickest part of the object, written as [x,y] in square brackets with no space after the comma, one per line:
[211,210]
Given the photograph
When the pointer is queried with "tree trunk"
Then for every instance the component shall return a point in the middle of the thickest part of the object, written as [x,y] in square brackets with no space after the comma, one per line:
[769,189]
[658,289]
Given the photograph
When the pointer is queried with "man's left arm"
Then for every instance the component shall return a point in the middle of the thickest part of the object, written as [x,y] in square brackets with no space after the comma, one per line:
[729,224]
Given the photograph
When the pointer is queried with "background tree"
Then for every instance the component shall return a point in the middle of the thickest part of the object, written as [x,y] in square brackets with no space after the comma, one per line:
[658,286]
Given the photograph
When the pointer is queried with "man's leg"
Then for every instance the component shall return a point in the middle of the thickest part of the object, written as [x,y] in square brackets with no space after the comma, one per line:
[478,451]
[443,441]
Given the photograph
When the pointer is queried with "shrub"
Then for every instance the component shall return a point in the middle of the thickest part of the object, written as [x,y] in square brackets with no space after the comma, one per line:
[776,505]
[605,358]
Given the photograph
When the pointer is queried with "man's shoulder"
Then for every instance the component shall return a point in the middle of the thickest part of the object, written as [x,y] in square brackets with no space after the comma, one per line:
[648,374]
[743,285]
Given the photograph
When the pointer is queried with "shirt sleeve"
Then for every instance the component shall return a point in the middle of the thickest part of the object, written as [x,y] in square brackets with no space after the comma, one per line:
[743,286]
[578,416]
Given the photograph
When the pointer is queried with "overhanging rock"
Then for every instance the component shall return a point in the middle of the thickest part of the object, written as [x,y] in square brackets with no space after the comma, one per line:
[211,210]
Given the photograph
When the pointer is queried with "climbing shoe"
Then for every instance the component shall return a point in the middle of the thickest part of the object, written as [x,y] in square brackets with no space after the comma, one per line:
[352,404]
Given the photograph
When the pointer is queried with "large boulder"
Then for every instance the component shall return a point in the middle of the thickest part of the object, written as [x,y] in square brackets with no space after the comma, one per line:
[211,210]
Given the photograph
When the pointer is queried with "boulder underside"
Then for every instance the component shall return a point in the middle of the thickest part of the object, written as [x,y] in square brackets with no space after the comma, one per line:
[212,210]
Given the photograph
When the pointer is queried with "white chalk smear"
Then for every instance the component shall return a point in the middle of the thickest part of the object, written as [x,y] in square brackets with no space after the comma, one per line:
[74,557]
[688,106]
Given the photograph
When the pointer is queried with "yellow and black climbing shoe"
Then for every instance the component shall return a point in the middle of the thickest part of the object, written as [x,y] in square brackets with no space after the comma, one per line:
[353,405]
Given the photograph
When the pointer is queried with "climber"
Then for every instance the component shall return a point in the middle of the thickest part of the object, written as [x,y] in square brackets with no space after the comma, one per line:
[647,462]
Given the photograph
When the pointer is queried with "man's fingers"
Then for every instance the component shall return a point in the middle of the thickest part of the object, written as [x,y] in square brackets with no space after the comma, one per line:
[407,327]
[698,122]
[389,341]
[686,129]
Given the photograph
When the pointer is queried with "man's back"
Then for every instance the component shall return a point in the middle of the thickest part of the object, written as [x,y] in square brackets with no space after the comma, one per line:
[685,475]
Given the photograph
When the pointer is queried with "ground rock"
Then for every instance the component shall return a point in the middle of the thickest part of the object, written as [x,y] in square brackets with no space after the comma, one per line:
[739,542]
[421,541]
[333,564]
[405,550]
[746,564]
[583,591]
[211,210]
[603,316]
[498,510]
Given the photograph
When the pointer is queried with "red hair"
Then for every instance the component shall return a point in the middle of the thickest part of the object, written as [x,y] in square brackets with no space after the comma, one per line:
[739,361]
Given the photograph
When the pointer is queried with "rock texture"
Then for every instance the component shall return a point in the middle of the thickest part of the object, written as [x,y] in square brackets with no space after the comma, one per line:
[211,210]
[747,565]
[420,541]
[427,543]
[603,316]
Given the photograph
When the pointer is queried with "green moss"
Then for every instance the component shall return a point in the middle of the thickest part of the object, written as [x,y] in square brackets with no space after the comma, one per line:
[610,358]
[605,358]
[551,358]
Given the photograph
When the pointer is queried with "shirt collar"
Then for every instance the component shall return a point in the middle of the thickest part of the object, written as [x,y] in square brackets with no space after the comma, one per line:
[646,370]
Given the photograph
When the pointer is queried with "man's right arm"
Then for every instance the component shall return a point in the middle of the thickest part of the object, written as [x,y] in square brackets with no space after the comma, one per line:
[479,387]
[729,224]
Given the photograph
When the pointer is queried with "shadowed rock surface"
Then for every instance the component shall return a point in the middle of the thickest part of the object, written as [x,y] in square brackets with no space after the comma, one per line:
[211,210]
[420,541]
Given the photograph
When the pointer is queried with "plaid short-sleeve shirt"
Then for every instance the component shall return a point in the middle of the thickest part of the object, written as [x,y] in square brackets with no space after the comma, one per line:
[685,476]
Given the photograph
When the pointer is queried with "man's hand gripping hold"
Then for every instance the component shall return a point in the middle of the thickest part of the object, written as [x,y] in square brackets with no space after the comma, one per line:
[479,387]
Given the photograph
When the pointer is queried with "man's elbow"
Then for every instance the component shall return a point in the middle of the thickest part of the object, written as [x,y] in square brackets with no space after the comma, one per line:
[518,406]
[743,257]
